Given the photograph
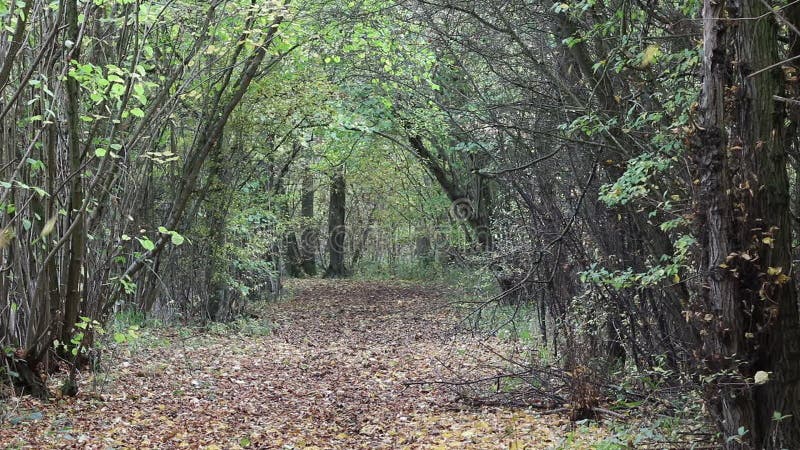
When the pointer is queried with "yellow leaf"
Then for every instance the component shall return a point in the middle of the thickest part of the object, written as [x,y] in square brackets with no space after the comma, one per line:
[49,226]
[676,278]
[650,54]
[6,236]
[516,445]
[782,278]
[774,270]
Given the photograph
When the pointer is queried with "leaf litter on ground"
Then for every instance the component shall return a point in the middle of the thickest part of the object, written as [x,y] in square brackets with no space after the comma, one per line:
[336,372]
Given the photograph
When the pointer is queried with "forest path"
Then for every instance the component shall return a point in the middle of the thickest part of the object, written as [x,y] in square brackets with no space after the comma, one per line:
[330,375]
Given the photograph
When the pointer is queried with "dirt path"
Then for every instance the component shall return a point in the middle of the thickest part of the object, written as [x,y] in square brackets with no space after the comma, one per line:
[330,375]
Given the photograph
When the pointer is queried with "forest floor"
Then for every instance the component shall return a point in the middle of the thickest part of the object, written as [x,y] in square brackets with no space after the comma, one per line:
[334,370]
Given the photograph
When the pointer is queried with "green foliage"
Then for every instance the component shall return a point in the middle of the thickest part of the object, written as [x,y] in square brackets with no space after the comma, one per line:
[245,326]
[175,237]
[637,181]
[649,134]
[132,330]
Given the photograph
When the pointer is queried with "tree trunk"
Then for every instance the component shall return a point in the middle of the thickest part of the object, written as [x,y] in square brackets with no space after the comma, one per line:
[294,261]
[749,316]
[361,244]
[473,209]
[308,238]
[78,238]
[423,250]
[217,212]
[336,228]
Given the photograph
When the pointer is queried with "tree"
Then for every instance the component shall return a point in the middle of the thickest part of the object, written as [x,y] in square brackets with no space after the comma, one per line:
[336,226]
[749,309]
[93,116]
[308,236]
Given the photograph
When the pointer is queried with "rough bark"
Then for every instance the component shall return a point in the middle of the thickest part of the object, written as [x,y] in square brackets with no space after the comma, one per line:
[749,313]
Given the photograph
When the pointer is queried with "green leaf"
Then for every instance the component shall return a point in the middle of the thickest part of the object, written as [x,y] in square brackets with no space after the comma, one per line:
[100,152]
[147,244]
[177,239]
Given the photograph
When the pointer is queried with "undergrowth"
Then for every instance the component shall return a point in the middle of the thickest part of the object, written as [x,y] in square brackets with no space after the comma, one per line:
[652,413]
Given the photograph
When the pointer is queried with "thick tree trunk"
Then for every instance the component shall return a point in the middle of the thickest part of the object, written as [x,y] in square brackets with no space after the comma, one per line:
[336,228]
[749,314]
[483,206]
